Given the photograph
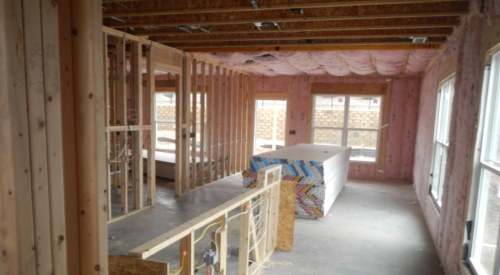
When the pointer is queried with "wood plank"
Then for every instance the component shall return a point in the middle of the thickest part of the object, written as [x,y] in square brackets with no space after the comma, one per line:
[243,256]
[16,208]
[210,102]
[286,216]
[137,171]
[202,125]
[179,97]
[186,119]
[257,253]
[259,37]
[217,109]
[310,29]
[223,116]
[37,136]
[68,130]
[149,248]
[250,114]
[221,240]
[109,144]
[349,88]
[123,265]
[266,7]
[386,105]
[51,61]
[298,18]
[340,46]
[150,147]
[193,122]
[228,123]
[237,161]
[88,83]
[186,251]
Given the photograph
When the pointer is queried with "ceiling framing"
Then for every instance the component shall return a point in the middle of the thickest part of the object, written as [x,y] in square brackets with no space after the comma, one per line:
[229,25]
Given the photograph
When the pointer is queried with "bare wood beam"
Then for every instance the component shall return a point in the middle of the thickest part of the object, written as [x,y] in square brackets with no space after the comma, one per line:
[296,19]
[348,36]
[343,62]
[249,8]
[292,30]
[406,61]
[343,46]
[373,61]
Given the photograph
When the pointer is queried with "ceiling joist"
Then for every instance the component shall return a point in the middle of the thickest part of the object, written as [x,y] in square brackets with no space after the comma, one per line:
[293,30]
[271,7]
[349,36]
[341,46]
[297,19]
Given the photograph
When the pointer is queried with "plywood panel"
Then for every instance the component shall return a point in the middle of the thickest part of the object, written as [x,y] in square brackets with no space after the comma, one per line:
[286,216]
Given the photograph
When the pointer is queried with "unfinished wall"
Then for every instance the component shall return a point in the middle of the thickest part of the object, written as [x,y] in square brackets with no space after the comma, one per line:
[464,55]
[402,123]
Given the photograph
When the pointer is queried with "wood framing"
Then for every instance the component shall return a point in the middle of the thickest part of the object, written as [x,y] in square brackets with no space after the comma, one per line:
[130,116]
[268,191]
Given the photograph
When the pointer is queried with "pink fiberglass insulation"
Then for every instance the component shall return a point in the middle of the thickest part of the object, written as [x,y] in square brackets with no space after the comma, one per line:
[243,62]
[330,62]
[418,60]
[276,64]
[389,62]
[360,62]
[302,62]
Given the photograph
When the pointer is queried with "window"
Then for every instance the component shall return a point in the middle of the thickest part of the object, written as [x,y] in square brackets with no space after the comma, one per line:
[484,256]
[165,121]
[441,138]
[353,121]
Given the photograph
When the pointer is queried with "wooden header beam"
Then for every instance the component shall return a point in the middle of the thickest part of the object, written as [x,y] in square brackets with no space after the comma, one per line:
[349,36]
[296,19]
[316,47]
[292,30]
[348,88]
[249,8]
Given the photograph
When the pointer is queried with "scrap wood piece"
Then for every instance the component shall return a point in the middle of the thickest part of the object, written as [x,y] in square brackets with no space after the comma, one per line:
[124,265]
[286,216]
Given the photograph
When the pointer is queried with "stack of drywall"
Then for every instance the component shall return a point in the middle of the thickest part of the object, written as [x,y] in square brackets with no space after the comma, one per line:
[320,172]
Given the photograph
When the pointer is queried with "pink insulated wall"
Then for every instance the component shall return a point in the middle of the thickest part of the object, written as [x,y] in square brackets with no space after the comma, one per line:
[402,124]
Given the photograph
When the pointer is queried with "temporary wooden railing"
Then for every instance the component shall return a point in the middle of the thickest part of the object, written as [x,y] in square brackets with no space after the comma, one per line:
[266,196]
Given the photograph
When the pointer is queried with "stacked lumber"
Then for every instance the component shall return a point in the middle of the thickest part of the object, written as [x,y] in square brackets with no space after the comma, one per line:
[320,172]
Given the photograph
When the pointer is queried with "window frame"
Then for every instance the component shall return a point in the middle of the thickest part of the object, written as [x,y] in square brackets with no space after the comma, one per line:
[490,101]
[441,141]
[345,129]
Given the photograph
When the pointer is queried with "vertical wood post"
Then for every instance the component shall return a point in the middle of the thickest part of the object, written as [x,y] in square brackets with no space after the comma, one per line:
[186,251]
[209,104]
[86,18]
[202,125]
[217,110]
[244,239]
[137,172]
[193,166]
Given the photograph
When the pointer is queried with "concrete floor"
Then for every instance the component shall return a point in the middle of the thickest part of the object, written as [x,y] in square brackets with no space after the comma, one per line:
[372,228]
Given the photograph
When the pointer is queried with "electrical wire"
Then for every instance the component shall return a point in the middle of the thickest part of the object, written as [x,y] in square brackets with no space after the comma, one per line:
[234,226]
[182,263]
[258,264]
[206,228]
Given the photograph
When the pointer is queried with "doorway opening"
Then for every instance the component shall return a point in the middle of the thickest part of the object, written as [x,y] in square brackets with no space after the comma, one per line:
[270,125]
